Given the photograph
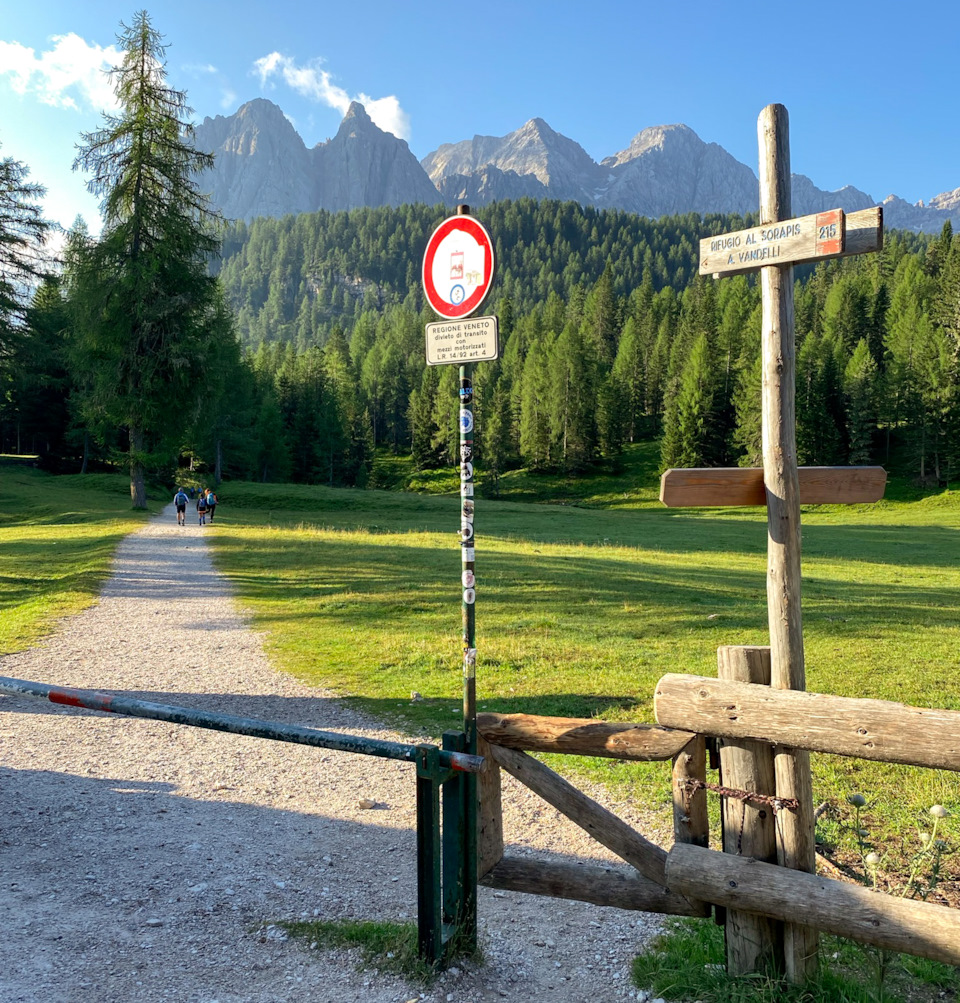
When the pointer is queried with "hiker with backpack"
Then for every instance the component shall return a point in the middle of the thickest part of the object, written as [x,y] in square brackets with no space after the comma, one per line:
[202,507]
[211,503]
[180,500]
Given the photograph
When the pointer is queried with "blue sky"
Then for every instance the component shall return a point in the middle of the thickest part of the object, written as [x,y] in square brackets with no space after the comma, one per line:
[871,88]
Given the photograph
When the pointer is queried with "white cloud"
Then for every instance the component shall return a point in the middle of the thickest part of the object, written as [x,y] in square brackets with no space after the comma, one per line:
[228,96]
[70,75]
[316,84]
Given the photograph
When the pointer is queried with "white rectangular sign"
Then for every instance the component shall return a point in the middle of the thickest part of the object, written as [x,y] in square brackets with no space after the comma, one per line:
[474,339]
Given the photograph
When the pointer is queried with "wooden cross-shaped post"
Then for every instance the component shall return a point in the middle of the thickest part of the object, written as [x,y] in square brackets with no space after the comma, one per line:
[773,247]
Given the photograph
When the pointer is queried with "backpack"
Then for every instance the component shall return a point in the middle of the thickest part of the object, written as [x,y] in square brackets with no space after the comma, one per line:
[201,503]
[181,498]
[211,499]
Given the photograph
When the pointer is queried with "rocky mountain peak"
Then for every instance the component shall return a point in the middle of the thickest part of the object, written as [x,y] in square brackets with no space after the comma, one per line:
[263,168]
[356,113]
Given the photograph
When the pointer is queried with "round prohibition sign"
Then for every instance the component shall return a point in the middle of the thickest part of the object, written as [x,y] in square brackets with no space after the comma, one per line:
[458,267]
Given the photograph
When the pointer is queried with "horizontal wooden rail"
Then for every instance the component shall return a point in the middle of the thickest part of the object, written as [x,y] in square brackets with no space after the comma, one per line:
[582,736]
[707,487]
[611,886]
[844,726]
[848,910]
[648,858]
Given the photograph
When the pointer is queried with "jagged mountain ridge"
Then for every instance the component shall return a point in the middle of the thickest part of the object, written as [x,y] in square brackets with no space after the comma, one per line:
[264,168]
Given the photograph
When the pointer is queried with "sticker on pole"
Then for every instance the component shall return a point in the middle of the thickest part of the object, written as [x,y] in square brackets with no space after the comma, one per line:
[458,267]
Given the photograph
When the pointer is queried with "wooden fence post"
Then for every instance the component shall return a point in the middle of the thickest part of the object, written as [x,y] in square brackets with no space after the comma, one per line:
[690,823]
[490,837]
[749,829]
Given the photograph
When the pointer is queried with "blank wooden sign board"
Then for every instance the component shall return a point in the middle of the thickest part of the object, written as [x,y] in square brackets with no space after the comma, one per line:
[719,486]
[773,247]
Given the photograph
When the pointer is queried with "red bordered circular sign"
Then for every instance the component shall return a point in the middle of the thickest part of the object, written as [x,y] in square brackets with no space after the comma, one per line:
[458,267]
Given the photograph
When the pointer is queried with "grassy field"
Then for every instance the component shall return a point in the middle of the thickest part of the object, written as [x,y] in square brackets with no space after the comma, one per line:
[57,539]
[583,604]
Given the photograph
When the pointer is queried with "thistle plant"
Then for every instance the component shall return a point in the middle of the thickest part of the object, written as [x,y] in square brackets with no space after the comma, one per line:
[929,857]
[923,867]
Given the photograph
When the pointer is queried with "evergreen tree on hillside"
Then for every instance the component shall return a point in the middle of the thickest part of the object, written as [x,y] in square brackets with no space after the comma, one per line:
[821,424]
[690,431]
[628,372]
[748,433]
[22,234]
[573,397]
[146,303]
[23,231]
[860,389]
[35,398]
[534,408]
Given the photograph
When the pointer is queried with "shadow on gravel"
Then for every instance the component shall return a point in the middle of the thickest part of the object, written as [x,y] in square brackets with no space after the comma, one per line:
[101,873]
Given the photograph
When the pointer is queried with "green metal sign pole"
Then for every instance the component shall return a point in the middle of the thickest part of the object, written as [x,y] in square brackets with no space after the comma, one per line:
[468,583]
[467,556]
[458,269]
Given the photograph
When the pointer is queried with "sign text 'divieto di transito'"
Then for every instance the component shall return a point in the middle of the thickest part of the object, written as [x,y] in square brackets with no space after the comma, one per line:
[454,341]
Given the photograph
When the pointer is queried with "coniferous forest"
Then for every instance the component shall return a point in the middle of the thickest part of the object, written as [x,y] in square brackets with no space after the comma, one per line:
[608,336]
[293,349]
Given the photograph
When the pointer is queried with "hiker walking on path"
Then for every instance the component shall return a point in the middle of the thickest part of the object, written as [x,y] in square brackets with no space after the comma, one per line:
[202,507]
[180,500]
[211,503]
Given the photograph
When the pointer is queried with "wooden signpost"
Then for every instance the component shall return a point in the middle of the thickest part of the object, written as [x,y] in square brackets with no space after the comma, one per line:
[774,247]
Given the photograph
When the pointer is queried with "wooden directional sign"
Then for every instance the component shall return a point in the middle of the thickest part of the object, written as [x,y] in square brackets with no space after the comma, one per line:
[807,238]
[706,487]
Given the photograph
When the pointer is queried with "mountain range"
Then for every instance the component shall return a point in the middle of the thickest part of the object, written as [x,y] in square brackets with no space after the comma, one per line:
[263,168]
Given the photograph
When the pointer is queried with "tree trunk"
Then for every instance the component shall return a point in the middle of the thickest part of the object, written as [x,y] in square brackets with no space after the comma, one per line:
[138,487]
[218,465]
[86,452]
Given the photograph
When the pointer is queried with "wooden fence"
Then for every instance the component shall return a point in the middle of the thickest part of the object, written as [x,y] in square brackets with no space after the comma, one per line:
[751,721]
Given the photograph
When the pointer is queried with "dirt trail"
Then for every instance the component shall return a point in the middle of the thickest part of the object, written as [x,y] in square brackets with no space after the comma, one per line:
[141,861]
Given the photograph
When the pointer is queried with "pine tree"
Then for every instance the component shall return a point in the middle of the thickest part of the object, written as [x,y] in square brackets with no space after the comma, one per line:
[146,301]
[572,402]
[495,444]
[692,440]
[628,371]
[534,414]
[748,434]
[23,232]
[860,390]
[420,413]
[821,424]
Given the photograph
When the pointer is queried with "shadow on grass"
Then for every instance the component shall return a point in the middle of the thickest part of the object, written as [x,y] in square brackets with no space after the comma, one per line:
[353,581]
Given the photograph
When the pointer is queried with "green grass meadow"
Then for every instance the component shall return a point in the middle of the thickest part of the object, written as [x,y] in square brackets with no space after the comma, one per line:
[57,540]
[588,591]
[584,603]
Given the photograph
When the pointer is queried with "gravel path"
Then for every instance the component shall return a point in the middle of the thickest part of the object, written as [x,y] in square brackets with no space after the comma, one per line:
[141,861]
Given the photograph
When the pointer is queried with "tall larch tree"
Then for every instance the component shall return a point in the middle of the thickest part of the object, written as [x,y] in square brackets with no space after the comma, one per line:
[147,304]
